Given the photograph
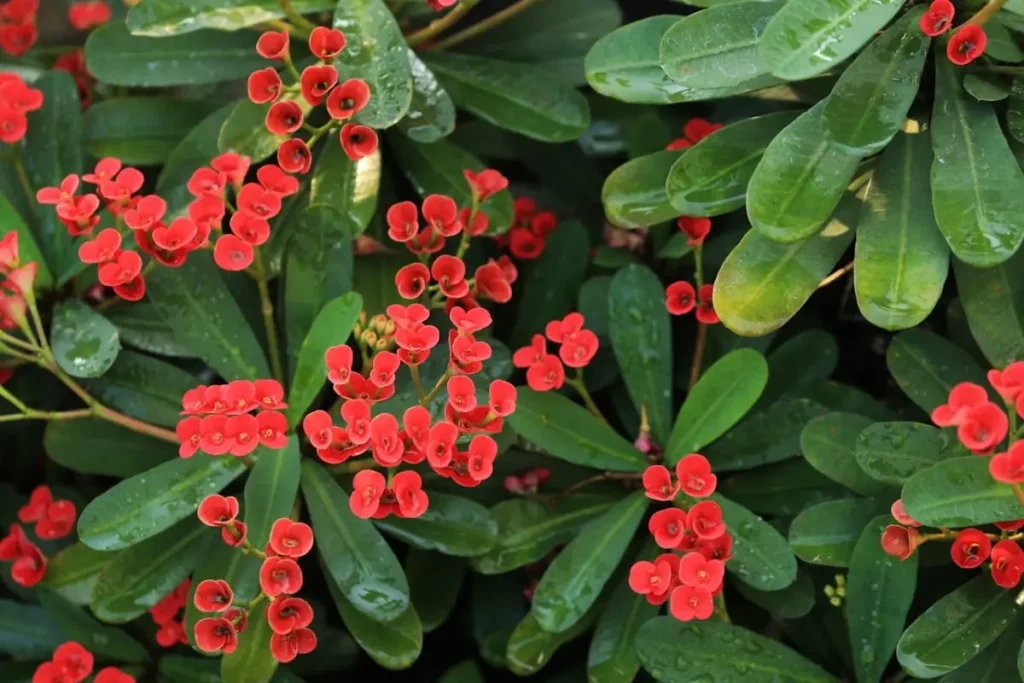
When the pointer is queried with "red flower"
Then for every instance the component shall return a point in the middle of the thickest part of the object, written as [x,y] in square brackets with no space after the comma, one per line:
[900,514]
[234,535]
[13,123]
[668,527]
[368,486]
[133,290]
[30,567]
[705,519]
[579,351]
[272,427]
[121,269]
[348,99]
[970,549]
[529,355]
[339,364]
[273,179]
[450,274]
[249,228]
[293,156]
[18,96]
[358,141]
[241,431]
[1010,525]
[217,510]
[691,602]
[680,298]
[412,280]
[284,117]
[216,634]
[16,39]
[280,575]
[695,570]
[213,433]
[696,229]
[286,647]
[112,674]
[1008,383]
[106,169]
[468,322]
[657,481]
[232,253]
[256,200]
[356,414]
[207,212]
[206,181]
[649,578]
[715,548]
[233,165]
[85,15]
[290,539]
[706,311]
[403,221]
[442,214]
[468,352]
[492,281]
[546,374]
[566,329]
[938,18]
[695,476]
[482,452]
[386,444]
[385,365]
[524,244]
[1007,563]
[189,433]
[962,398]
[900,541]
[38,502]
[317,427]
[1007,467]
[475,227]
[326,43]
[502,398]
[485,183]
[695,130]
[461,393]
[273,45]
[14,544]
[441,445]
[127,182]
[410,499]
[73,661]
[984,428]
[264,85]
[967,44]
[213,595]
[59,520]
[61,194]
[180,233]
[287,614]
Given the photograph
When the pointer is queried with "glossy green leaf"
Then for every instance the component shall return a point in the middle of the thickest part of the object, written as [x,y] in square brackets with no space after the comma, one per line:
[94,446]
[880,590]
[956,628]
[803,360]
[140,130]
[141,507]
[977,185]
[792,602]
[761,557]
[143,387]
[245,131]
[451,525]
[808,37]
[717,47]
[271,489]
[198,307]
[434,600]
[722,396]
[376,52]
[568,431]
[958,492]
[634,194]
[72,572]
[140,326]
[521,98]
[116,57]
[574,579]
[27,632]
[892,452]
[332,327]
[358,559]
[827,533]
[170,17]
[195,149]
[140,576]
[871,99]
[642,341]
[763,437]
[350,187]
[828,444]
[593,304]
[711,177]
[993,300]
[104,642]
[529,530]
[781,489]
[85,344]
[1015,110]
[530,647]
[437,169]
[996,663]
[987,87]
[1001,44]
[902,259]
[431,114]
[799,181]
[252,662]
[927,367]
[394,644]
[678,652]
[28,250]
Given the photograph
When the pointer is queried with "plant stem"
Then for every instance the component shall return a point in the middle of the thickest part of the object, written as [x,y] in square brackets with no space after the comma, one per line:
[30,414]
[487,24]
[987,12]
[1018,493]
[295,18]
[698,355]
[439,25]
[268,318]
[581,389]
[425,401]
[604,476]
[414,370]
[832,277]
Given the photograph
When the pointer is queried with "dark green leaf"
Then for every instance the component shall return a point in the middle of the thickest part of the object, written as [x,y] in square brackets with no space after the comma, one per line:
[530,647]
[169,17]
[85,344]
[927,367]
[143,387]
[828,444]
[996,663]
[394,645]
[350,187]
[987,87]
[245,131]
[827,533]
[434,600]
[781,489]
[844,398]
[760,556]
[993,300]
[764,437]
[196,149]
[451,525]
[190,669]
[593,304]
[1001,44]
[959,492]
[804,359]
[892,452]
[140,325]
[464,672]
[72,572]
[94,446]
[105,642]
[252,662]
[792,602]
[143,506]
[27,632]
[431,115]
[1015,110]
[634,194]
[140,130]
[271,489]
[676,247]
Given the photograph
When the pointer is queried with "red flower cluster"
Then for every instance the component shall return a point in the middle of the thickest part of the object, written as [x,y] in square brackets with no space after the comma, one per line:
[53,518]
[681,298]
[29,563]
[171,630]
[89,14]
[72,663]
[689,582]
[16,101]
[530,229]
[443,219]
[980,424]
[318,84]
[16,287]
[228,425]
[695,229]
[938,19]
[280,578]
[695,130]
[544,371]
[18,30]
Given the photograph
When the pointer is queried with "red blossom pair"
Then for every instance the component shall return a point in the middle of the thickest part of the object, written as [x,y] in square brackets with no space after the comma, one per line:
[18,31]
[72,663]
[544,371]
[530,229]
[167,615]
[693,476]
[373,497]
[28,562]
[493,280]
[981,425]
[966,45]
[695,130]
[53,518]
[16,101]
[228,426]
[443,219]
[88,14]
[689,583]
[681,298]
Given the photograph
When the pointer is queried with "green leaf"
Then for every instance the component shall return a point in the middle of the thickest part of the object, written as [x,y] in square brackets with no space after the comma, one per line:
[376,53]
[717,47]
[28,250]
[927,367]
[996,663]
[52,149]
[332,326]
[722,395]
[761,558]
[252,662]
[763,437]
[827,533]
[892,452]
[711,177]
[828,444]
[792,602]
[993,300]
[762,283]
[196,149]
[140,576]
[959,492]
[358,560]
[799,181]
[464,672]
[956,628]
[803,360]
[1001,44]
[870,101]
[569,432]
[394,644]
[271,489]
[140,130]
[1015,110]
[437,169]
[781,489]
[350,187]
[902,259]
[434,600]
[451,525]
[634,194]
[181,669]
[518,97]
[141,507]
[196,304]
[105,642]
[143,387]
[27,632]
[72,572]
[530,647]
[95,446]
[641,338]
[881,588]
[170,17]
[977,185]
[678,652]
[140,325]
[676,247]
[987,87]
[116,57]
[431,114]
[808,37]
[85,344]
[593,304]
[529,530]
[245,131]
[574,579]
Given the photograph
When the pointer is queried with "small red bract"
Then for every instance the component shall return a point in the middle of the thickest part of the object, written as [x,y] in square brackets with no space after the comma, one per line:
[938,19]
[326,43]
[967,44]
[273,45]
[970,548]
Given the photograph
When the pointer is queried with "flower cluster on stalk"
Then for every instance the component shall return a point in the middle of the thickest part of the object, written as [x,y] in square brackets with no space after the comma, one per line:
[966,44]
[72,663]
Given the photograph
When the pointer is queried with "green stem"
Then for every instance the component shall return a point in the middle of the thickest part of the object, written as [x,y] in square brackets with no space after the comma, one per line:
[47,415]
[425,401]
[581,389]
[295,18]
[440,25]
[698,354]
[278,25]
[268,318]
[487,24]
[987,12]
[414,370]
